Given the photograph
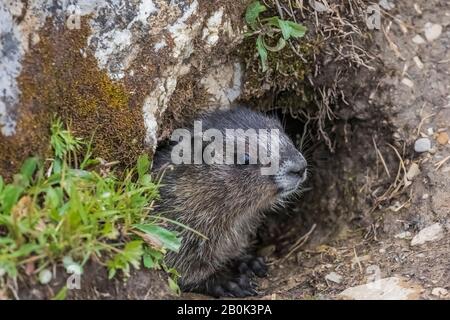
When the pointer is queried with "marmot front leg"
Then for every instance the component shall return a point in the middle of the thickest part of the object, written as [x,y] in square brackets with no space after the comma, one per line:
[252,265]
[228,285]
[237,281]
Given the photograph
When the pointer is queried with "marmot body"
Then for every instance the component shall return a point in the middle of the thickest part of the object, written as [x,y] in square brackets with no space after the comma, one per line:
[225,202]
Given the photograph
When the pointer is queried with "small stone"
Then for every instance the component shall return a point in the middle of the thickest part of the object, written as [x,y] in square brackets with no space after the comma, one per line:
[425,196]
[45,276]
[432,31]
[418,40]
[412,171]
[418,62]
[417,8]
[385,4]
[442,138]
[384,289]
[440,292]
[422,145]
[403,235]
[431,233]
[407,82]
[430,131]
[334,277]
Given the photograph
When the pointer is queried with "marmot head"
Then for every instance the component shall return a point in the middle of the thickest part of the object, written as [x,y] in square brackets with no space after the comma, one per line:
[244,160]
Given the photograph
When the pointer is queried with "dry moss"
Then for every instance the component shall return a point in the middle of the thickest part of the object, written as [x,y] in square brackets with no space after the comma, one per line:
[60,77]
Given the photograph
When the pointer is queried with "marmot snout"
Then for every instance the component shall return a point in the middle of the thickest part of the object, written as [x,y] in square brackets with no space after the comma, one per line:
[226,202]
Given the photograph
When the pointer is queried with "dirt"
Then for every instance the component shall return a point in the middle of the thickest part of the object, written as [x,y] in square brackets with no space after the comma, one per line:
[355,226]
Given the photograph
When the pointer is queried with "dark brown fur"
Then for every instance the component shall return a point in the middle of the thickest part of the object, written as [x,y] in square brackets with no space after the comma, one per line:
[223,202]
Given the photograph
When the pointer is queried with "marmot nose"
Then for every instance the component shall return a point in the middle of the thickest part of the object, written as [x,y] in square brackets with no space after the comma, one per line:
[297,169]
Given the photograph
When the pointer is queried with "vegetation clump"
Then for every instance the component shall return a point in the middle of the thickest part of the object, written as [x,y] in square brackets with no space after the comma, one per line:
[69,209]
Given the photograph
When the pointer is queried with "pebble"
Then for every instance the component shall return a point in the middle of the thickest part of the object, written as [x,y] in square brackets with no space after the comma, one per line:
[431,233]
[407,82]
[403,235]
[418,62]
[430,131]
[45,276]
[334,277]
[418,40]
[442,138]
[440,292]
[422,145]
[432,31]
[413,171]
[384,289]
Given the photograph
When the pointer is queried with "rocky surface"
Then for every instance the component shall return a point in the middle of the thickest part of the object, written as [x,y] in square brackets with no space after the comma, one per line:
[140,50]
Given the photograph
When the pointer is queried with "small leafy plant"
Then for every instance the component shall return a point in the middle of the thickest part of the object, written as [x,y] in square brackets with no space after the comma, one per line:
[70,209]
[273,29]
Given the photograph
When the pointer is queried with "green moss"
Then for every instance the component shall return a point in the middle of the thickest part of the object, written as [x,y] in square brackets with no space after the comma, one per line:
[60,76]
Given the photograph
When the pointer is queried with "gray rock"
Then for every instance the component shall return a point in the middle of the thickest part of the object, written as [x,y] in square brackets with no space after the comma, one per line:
[422,145]
[432,31]
[334,277]
[431,233]
[384,289]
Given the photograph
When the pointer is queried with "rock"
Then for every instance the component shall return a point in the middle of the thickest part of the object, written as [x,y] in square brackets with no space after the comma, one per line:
[127,55]
[403,235]
[442,138]
[412,171]
[334,277]
[45,276]
[384,289]
[422,145]
[440,292]
[418,40]
[418,62]
[432,31]
[407,82]
[431,233]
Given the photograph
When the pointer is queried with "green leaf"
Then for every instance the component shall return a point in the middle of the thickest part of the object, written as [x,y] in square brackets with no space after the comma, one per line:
[174,286]
[131,254]
[291,29]
[285,28]
[262,52]
[28,168]
[296,30]
[152,258]
[143,165]
[61,295]
[52,198]
[11,194]
[168,239]
[253,11]
[280,45]
[2,183]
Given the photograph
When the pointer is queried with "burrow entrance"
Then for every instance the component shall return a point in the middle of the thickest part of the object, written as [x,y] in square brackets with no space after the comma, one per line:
[346,179]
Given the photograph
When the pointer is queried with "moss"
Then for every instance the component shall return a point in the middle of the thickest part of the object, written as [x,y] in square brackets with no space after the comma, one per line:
[287,71]
[60,77]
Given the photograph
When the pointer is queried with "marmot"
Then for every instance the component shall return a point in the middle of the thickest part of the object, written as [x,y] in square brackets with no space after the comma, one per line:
[225,202]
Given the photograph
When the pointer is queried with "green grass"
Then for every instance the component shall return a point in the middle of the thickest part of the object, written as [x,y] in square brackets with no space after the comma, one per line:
[72,208]
[270,30]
